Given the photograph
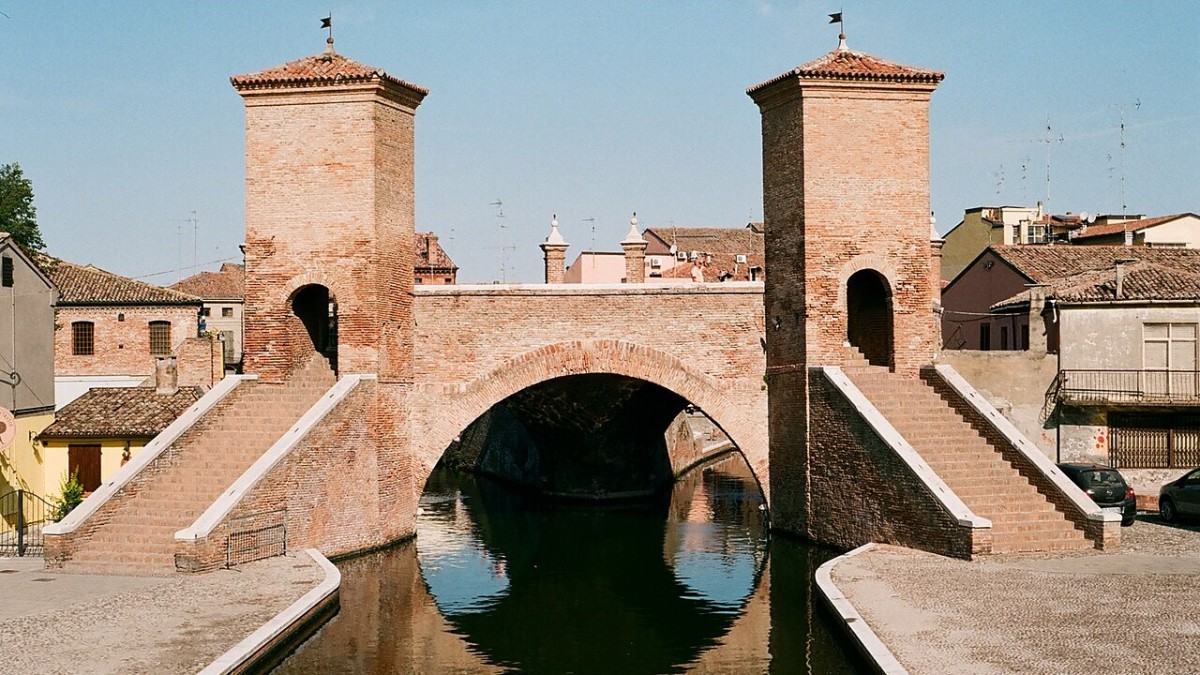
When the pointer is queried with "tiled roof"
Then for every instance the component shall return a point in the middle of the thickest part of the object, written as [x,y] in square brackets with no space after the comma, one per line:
[88,285]
[1142,281]
[322,69]
[715,240]
[134,412]
[430,253]
[1127,226]
[845,64]
[1041,264]
[227,284]
[719,265]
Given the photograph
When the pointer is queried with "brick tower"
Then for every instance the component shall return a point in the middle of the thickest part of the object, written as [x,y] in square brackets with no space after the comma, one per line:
[846,210]
[329,217]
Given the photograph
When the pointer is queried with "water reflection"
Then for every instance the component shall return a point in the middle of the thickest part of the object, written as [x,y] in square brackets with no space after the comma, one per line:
[498,581]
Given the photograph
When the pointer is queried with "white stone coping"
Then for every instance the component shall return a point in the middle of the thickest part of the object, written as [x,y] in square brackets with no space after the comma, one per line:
[650,288]
[869,643]
[1024,446]
[946,497]
[279,624]
[224,505]
[148,454]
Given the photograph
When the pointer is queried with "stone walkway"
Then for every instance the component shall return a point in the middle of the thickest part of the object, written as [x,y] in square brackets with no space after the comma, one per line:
[65,623]
[1135,611]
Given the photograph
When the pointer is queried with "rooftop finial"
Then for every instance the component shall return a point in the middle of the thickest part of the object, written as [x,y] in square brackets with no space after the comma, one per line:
[836,17]
[633,235]
[554,237]
[327,22]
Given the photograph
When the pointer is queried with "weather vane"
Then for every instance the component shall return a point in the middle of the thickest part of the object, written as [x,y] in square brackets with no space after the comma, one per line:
[327,22]
[836,17]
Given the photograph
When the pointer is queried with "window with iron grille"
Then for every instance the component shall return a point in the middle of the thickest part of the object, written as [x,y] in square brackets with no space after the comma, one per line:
[1150,441]
[226,312]
[83,338]
[160,338]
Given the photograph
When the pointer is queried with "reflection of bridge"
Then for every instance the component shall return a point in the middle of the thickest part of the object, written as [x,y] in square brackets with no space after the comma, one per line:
[343,442]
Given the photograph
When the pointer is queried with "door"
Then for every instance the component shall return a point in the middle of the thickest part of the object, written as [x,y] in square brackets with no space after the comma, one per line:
[83,461]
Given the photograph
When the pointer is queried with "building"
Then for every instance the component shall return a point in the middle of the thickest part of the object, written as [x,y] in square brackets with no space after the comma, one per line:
[224,295]
[27,299]
[109,330]
[596,267]
[722,253]
[100,431]
[432,265]
[985,226]
[1181,230]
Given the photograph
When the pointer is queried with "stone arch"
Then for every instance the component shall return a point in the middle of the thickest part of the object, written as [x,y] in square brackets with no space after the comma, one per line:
[870,326]
[454,411]
[300,331]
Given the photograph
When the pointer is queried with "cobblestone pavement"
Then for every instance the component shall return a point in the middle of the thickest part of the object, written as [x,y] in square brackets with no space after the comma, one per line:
[65,623]
[1133,611]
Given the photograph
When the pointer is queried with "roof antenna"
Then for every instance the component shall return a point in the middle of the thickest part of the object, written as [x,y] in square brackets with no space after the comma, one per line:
[327,22]
[1121,106]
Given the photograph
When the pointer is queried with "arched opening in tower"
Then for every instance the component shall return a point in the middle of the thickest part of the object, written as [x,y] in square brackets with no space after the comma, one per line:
[316,308]
[869,316]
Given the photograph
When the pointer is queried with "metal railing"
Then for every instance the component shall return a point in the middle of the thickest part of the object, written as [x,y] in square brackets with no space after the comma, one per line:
[256,536]
[1128,386]
[22,517]
[1150,448]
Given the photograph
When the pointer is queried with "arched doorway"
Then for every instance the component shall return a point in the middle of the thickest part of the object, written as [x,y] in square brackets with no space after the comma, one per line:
[316,308]
[869,316]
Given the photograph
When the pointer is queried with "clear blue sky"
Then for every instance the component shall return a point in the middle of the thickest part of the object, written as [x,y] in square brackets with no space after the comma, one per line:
[123,116]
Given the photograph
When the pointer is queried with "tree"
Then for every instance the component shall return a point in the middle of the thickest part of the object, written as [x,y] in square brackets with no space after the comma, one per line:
[18,216]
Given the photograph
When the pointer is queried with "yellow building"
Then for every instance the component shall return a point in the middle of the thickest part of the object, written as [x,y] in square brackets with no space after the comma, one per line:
[97,433]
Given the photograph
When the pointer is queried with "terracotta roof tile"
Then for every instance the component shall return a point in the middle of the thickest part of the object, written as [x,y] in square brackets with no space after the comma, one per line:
[135,412]
[846,64]
[1126,226]
[430,253]
[716,240]
[227,284]
[88,285]
[1041,264]
[321,69]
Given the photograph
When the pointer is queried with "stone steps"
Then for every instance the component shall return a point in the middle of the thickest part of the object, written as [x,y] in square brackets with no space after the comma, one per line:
[1022,518]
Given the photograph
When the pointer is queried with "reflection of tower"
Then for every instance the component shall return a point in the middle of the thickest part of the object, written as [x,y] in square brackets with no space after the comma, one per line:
[845,197]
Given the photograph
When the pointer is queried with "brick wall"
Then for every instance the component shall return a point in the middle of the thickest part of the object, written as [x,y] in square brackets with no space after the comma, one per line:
[121,337]
[860,491]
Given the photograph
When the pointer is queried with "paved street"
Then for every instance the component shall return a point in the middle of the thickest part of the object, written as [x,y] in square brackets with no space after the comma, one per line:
[1129,612]
[65,623]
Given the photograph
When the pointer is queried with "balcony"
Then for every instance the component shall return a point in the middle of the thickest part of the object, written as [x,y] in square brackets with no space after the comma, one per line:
[1127,387]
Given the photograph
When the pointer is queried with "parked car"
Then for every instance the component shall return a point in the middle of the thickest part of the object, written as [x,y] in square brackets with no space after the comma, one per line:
[1106,486]
[1180,497]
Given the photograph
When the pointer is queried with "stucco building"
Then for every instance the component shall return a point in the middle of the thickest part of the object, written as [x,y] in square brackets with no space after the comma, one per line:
[223,294]
[26,366]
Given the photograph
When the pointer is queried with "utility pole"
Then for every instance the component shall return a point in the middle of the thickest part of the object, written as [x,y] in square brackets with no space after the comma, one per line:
[504,247]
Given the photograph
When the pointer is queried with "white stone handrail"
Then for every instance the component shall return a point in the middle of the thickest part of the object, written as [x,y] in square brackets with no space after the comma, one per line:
[225,504]
[1023,445]
[148,454]
[946,498]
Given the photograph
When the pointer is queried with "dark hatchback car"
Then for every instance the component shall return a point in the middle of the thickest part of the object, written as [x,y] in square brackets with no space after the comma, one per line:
[1106,486]
[1180,497]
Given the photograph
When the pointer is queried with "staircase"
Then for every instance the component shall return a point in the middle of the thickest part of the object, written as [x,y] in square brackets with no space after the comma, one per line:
[139,536]
[1022,518]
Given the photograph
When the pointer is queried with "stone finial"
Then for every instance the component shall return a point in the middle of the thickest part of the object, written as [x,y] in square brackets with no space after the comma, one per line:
[634,236]
[554,237]
[555,252]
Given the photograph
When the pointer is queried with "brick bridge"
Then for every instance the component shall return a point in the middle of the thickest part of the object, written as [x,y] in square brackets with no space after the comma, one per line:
[357,382]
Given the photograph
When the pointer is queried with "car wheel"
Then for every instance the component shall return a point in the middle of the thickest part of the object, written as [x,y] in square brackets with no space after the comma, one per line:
[1127,522]
[1166,510]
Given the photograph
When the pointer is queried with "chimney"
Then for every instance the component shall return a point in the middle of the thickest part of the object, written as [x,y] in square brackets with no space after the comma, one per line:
[634,246]
[555,250]
[1121,263]
[166,375]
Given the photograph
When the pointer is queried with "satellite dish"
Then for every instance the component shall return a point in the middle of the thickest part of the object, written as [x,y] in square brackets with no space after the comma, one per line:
[1091,218]
[1083,216]
[672,249]
[8,428]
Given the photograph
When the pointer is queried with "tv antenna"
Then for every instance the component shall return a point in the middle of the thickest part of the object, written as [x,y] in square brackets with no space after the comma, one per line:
[1049,140]
[504,247]
[592,223]
[999,175]
[1137,104]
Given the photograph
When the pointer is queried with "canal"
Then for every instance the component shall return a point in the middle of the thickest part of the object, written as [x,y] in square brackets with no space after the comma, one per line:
[498,581]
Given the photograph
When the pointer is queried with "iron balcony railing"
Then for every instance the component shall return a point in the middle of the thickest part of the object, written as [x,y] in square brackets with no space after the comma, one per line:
[1129,386]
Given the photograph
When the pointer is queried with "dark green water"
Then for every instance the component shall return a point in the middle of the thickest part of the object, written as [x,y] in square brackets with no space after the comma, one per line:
[499,582]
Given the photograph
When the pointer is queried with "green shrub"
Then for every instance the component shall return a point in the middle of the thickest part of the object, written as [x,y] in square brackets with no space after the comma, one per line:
[71,495]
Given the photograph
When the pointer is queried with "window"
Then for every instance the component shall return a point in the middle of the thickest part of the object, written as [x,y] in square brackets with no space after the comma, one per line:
[205,311]
[985,336]
[226,312]
[1169,353]
[1024,336]
[160,338]
[6,272]
[83,338]
[1003,337]
[83,462]
[1153,441]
